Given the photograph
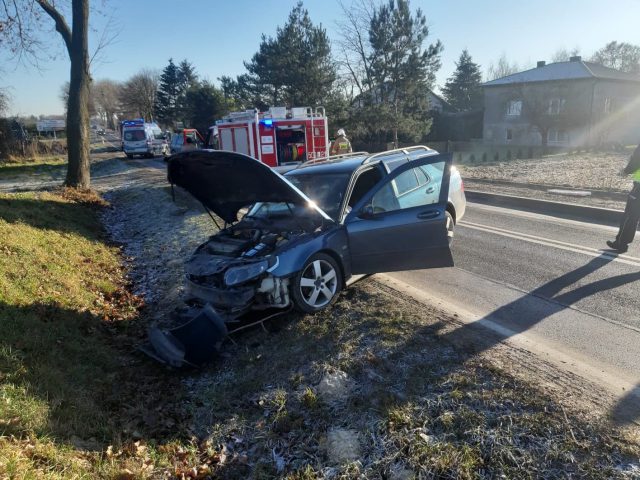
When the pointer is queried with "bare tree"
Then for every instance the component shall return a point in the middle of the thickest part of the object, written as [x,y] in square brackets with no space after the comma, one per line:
[21,24]
[502,68]
[138,94]
[548,107]
[4,102]
[619,55]
[353,43]
[64,97]
[105,96]
[563,55]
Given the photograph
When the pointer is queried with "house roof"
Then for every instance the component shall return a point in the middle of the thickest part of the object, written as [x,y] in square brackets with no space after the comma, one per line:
[572,70]
[444,103]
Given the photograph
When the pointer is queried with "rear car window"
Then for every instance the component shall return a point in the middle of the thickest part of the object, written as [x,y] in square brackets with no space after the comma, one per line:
[134,135]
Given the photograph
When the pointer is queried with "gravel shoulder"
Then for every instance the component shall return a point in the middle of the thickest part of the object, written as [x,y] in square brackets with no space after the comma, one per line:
[369,388]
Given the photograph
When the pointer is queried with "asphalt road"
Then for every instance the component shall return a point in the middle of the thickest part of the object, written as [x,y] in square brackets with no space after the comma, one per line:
[551,280]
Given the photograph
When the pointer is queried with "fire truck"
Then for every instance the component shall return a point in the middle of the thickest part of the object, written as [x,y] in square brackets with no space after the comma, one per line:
[279,136]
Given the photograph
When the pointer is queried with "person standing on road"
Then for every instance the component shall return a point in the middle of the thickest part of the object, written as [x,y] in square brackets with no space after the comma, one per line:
[341,144]
[631,216]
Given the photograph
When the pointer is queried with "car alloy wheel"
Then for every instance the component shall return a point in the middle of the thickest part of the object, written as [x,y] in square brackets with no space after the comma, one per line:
[317,284]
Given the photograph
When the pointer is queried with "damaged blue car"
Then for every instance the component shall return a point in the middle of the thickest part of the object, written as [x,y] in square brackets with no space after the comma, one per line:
[295,240]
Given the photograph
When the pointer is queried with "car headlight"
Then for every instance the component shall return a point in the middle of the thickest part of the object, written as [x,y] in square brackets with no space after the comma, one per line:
[243,273]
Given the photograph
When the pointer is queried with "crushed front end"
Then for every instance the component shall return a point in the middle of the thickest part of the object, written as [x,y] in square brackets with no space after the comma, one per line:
[232,271]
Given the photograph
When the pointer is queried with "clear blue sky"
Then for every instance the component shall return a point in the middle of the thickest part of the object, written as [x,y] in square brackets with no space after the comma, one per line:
[216,36]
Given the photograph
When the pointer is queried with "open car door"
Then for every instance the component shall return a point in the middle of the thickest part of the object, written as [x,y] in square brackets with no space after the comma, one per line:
[400,224]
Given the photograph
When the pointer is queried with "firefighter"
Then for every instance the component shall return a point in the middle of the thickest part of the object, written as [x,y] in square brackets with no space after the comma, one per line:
[341,144]
[631,215]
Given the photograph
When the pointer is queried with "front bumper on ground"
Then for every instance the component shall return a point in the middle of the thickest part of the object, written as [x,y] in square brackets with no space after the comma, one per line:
[192,344]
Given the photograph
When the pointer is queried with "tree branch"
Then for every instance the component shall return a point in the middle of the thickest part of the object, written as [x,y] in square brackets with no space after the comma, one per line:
[61,24]
[108,36]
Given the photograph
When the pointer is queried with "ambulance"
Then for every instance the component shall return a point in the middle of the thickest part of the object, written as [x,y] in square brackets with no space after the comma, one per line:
[142,138]
[278,136]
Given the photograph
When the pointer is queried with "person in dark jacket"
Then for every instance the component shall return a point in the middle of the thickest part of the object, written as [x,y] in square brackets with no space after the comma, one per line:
[631,216]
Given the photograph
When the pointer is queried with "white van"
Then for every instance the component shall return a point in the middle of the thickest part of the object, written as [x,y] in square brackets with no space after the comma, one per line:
[141,138]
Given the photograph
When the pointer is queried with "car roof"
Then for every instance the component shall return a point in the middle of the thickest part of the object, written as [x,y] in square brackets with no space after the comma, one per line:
[348,164]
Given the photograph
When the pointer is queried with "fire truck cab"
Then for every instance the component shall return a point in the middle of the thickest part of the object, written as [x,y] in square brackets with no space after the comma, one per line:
[279,136]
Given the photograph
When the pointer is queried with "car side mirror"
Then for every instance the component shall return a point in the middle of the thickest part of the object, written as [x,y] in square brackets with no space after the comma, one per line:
[366,212]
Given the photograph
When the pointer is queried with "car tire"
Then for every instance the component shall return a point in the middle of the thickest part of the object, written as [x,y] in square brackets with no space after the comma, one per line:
[449,225]
[317,285]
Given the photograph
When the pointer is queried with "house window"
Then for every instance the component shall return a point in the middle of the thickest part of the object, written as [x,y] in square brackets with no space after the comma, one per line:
[607,105]
[556,106]
[557,136]
[509,135]
[514,108]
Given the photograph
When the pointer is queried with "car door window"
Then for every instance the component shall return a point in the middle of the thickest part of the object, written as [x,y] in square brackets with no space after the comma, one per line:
[423,178]
[364,183]
[407,190]
[406,181]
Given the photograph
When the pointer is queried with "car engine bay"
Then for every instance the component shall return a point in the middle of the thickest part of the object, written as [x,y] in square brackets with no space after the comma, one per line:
[230,270]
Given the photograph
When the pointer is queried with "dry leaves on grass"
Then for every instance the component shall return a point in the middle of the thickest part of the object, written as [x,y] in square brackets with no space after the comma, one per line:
[84,196]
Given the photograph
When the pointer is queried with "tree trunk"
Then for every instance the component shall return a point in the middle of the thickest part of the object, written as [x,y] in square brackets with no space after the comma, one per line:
[545,140]
[395,125]
[78,173]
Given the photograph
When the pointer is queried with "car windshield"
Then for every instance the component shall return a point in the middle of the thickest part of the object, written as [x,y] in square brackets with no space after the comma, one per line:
[157,134]
[326,190]
[134,135]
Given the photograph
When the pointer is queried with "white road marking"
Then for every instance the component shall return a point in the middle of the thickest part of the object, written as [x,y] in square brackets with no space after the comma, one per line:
[593,252]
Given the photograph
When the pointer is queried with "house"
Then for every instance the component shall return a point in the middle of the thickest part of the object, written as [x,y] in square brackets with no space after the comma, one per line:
[565,104]
[437,103]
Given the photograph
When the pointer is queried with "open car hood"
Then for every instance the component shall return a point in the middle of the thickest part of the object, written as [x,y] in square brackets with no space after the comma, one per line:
[225,182]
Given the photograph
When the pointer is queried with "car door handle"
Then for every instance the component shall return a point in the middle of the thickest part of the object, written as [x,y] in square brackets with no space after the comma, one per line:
[430,190]
[428,214]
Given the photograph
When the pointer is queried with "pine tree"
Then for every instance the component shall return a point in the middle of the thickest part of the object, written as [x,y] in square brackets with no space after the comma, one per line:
[167,97]
[187,76]
[205,104]
[294,68]
[401,72]
[462,90]
[187,79]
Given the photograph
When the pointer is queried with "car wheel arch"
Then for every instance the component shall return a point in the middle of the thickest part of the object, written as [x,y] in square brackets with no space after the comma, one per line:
[452,210]
[337,259]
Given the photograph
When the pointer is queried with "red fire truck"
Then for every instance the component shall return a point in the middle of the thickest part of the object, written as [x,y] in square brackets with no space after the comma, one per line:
[278,136]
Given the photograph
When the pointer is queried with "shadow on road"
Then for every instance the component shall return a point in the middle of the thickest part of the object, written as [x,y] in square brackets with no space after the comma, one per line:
[522,316]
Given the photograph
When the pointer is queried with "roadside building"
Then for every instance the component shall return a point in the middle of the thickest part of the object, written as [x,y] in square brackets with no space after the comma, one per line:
[563,104]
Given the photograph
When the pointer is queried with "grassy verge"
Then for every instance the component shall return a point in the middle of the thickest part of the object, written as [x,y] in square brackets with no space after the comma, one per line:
[367,389]
[415,406]
[50,165]
[72,398]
